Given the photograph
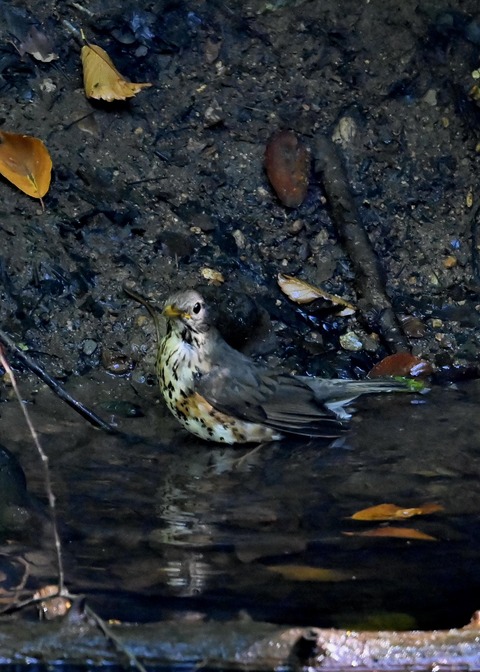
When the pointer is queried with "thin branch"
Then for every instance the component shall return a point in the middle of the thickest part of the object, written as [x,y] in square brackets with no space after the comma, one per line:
[377,309]
[117,642]
[60,391]
[46,474]
[62,590]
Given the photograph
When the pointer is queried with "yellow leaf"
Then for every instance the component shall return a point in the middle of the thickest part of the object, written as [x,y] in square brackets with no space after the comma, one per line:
[302,292]
[102,80]
[26,163]
[388,531]
[306,573]
[394,512]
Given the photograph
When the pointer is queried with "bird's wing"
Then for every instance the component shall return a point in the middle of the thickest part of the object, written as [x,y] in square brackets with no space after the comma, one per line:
[238,386]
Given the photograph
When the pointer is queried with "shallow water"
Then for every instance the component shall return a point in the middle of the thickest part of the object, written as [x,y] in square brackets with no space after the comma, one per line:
[156,524]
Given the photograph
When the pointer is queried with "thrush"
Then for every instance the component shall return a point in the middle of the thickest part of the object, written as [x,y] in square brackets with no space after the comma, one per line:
[219,394]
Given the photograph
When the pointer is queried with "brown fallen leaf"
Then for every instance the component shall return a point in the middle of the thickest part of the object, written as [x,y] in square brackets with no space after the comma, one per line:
[102,80]
[302,292]
[394,512]
[401,364]
[287,164]
[307,573]
[26,163]
[396,532]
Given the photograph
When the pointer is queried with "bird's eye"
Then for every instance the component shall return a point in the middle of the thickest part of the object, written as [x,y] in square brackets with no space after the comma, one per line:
[197,308]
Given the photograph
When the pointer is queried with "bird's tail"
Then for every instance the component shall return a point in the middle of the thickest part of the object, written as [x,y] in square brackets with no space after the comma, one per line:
[336,393]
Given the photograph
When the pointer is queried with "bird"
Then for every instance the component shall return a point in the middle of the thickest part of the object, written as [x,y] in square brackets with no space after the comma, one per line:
[221,395]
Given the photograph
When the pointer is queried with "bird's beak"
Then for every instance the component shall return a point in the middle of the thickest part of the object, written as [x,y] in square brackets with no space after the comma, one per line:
[174,312]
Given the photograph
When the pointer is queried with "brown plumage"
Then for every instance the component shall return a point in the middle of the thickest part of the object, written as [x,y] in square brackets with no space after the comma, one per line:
[219,394]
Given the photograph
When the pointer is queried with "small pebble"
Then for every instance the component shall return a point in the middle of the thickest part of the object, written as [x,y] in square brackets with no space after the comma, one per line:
[213,115]
[296,226]
[412,326]
[450,261]
[430,97]
[239,238]
[89,346]
[351,342]
[345,132]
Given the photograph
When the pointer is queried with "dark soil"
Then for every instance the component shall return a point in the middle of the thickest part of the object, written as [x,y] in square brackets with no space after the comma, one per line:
[158,188]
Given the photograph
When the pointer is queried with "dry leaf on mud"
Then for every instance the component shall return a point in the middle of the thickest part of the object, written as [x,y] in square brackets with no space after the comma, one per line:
[287,163]
[307,573]
[396,532]
[394,512]
[102,80]
[211,275]
[301,292]
[26,163]
[38,45]
[401,364]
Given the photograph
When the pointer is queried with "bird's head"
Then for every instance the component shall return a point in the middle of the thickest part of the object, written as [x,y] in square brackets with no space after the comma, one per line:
[187,309]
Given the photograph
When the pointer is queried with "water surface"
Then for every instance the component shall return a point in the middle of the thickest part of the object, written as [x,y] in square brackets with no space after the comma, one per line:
[156,524]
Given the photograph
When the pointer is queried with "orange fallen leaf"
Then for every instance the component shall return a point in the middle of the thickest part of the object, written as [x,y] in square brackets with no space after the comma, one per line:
[394,512]
[308,573]
[302,292]
[401,364]
[396,532]
[26,163]
[102,80]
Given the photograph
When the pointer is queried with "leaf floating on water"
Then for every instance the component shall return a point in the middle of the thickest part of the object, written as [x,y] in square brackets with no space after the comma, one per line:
[102,80]
[394,512]
[401,364]
[302,292]
[307,573]
[26,163]
[394,532]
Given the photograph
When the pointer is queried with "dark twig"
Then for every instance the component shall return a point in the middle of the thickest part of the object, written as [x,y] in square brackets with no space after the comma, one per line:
[376,309]
[117,642]
[60,391]
[62,590]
